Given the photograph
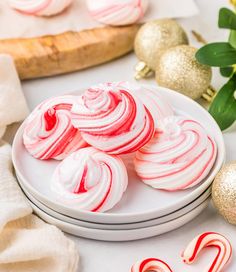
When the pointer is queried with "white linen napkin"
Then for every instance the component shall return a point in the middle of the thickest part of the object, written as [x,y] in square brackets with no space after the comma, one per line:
[27,244]
[13,107]
[77,18]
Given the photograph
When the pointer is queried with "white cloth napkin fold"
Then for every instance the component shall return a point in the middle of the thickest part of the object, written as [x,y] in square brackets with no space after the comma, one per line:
[27,244]
[13,107]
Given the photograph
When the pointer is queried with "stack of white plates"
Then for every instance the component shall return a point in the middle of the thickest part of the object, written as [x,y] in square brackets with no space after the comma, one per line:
[142,212]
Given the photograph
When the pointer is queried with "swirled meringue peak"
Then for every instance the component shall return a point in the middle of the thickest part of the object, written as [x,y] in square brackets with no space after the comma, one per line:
[40,7]
[117,12]
[49,132]
[179,156]
[158,105]
[112,119]
[90,180]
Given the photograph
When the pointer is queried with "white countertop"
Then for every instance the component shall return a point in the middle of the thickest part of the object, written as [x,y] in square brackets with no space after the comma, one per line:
[116,257]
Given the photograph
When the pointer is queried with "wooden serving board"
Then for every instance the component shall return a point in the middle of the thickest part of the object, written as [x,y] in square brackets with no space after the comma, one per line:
[69,51]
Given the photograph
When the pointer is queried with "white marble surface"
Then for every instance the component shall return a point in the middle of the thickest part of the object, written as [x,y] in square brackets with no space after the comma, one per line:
[116,257]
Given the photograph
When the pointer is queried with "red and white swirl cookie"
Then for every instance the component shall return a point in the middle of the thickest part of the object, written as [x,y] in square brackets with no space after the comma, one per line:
[40,7]
[153,100]
[90,180]
[209,239]
[112,119]
[49,132]
[179,156]
[117,12]
[151,264]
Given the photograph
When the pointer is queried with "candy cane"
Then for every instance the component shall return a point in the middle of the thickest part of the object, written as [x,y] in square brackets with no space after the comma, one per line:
[209,239]
[151,264]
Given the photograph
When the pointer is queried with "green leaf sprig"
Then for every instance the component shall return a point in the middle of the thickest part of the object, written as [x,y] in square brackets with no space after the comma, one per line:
[223,55]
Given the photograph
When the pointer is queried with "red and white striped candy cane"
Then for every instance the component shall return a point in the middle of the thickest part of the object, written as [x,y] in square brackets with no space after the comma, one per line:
[151,264]
[209,239]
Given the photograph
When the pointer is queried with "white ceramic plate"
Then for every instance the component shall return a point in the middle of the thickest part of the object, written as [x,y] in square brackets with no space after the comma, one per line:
[140,202]
[121,235]
[143,224]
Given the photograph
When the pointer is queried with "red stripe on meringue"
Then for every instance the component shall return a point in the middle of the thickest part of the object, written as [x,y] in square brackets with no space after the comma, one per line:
[108,191]
[50,119]
[81,188]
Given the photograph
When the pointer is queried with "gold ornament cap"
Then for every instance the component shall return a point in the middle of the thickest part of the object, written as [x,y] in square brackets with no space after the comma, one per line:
[178,69]
[142,70]
[209,94]
[154,37]
[224,192]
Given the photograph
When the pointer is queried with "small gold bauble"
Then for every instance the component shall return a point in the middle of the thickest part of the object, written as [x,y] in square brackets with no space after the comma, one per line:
[156,36]
[233,2]
[179,70]
[224,192]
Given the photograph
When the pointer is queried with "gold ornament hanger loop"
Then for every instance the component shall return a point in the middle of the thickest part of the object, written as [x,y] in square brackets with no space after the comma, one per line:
[142,70]
[209,94]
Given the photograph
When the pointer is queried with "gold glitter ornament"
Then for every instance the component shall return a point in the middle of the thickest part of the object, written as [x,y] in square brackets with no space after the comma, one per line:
[233,2]
[224,192]
[153,39]
[178,69]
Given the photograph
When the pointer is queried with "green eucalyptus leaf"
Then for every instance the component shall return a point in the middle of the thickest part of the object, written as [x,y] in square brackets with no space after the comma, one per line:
[227,19]
[223,107]
[226,71]
[232,38]
[220,54]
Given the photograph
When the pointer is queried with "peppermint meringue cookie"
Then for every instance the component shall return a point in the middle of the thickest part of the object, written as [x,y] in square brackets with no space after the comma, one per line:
[117,12]
[49,132]
[90,180]
[158,105]
[40,7]
[111,118]
[179,156]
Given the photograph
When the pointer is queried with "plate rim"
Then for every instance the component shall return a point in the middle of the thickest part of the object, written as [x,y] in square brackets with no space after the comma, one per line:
[195,203]
[134,234]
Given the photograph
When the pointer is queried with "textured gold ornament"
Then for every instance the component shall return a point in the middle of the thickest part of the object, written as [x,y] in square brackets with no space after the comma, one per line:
[224,192]
[233,2]
[179,70]
[154,38]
